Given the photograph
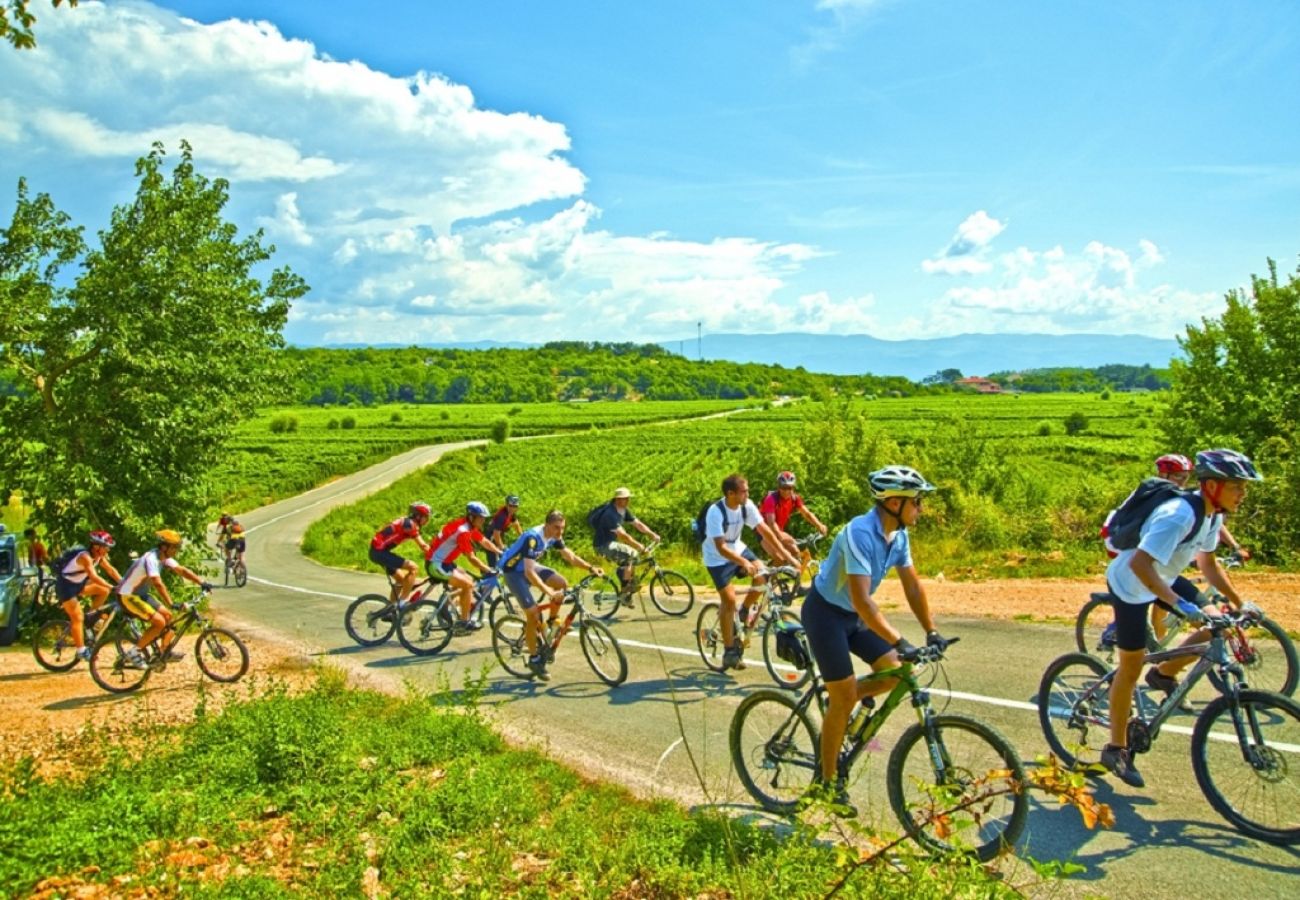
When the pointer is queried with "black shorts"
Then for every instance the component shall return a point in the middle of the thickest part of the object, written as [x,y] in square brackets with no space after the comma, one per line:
[235,545]
[723,574]
[389,560]
[835,635]
[67,590]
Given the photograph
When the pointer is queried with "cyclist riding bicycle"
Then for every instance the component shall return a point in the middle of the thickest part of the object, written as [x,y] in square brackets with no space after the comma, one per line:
[403,571]
[457,539]
[776,509]
[145,574]
[77,576]
[726,556]
[520,568]
[841,619]
[503,522]
[235,542]
[1170,538]
[612,541]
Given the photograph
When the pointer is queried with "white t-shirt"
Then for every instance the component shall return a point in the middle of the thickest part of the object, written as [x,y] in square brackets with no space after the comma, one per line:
[736,520]
[147,566]
[1162,539]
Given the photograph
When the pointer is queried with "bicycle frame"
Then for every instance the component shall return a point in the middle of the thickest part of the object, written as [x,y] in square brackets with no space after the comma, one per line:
[551,630]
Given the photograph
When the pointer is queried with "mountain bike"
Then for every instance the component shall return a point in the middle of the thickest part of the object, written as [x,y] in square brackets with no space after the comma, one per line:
[220,653]
[1245,743]
[1259,644]
[767,615]
[236,571]
[371,619]
[671,592]
[599,645]
[944,762]
[52,643]
[429,622]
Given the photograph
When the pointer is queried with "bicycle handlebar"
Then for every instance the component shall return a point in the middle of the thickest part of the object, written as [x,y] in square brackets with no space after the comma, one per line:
[926,653]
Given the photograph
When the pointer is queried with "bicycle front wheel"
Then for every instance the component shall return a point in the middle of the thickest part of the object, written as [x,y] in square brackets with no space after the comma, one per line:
[784,674]
[502,605]
[1246,755]
[775,749]
[1090,627]
[221,655]
[708,636]
[603,653]
[112,670]
[510,647]
[1074,709]
[53,647]
[370,620]
[426,627]
[601,598]
[671,593]
[241,574]
[957,786]
[1268,657]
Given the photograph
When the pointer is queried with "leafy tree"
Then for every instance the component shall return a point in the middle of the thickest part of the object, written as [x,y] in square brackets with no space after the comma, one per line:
[1076,422]
[943,376]
[1239,387]
[16,21]
[132,375]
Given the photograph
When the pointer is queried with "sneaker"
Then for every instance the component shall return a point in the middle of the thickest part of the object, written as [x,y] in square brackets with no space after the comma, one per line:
[132,658]
[1120,764]
[175,656]
[473,624]
[1161,682]
[460,627]
[734,656]
[83,654]
[537,666]
[1108,637]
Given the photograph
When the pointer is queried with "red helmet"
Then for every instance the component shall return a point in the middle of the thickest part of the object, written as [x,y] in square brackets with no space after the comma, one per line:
[1173,464]
[785,479]
[101,539]
[420,511]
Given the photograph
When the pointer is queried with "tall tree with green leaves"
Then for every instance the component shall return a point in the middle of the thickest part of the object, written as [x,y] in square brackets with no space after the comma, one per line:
[1239,387]
[17,20]
[133,373]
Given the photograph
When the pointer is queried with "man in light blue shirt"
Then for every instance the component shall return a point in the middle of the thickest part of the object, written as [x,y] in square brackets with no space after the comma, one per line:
[841,618]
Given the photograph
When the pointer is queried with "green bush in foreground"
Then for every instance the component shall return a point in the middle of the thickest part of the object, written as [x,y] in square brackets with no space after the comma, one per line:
[345,793]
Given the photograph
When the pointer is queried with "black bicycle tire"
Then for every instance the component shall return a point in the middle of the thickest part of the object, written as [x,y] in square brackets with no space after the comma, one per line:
[241,574]
[805,763]
[108,652]
[418,616]
[1010,762]
[603,599]
[204,641]
[510,647]
[659,585]
[708,636]
[1067,754]
[62,642]
[356,635]
[1081,638]
[1205,779]
[586,630]
[771,660]
[1287,646]
[502,605]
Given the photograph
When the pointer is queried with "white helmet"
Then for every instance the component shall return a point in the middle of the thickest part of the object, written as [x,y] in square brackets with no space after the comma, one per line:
[898,481]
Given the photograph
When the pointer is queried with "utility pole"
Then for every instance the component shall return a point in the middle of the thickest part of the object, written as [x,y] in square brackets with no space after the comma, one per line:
[699,340]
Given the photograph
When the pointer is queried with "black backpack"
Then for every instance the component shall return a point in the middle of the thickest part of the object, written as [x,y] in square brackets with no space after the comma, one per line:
[595,514]
[64,558]
[699,527]
[1124,527]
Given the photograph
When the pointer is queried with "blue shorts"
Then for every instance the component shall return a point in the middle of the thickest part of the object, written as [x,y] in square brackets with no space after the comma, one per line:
[68,590]
[835,633]
[387,559]
[723,574]
[522,588]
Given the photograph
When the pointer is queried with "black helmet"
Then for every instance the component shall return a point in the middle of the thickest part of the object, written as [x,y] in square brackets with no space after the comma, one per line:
[1225,465]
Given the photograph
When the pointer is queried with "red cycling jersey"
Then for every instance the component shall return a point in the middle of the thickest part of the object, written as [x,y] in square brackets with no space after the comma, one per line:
[779,508]
[394,533]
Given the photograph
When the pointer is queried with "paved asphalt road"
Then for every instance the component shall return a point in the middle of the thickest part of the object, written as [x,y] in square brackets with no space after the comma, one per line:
[1167,840]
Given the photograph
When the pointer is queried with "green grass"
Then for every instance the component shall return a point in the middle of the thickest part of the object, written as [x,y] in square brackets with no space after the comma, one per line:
[284,796]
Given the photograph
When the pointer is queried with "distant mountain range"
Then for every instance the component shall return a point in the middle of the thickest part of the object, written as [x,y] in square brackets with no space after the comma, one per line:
[855,354]
[973,354]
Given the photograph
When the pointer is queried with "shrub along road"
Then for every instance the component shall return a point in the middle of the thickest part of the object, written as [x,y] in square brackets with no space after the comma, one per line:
[1164,835]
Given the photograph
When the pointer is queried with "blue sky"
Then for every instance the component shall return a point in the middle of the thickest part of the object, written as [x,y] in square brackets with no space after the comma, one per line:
[615,171]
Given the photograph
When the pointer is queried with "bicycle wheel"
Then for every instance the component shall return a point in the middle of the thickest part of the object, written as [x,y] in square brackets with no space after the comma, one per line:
[952,762]
[221,655]
[502,605]
[603,653]
[1075,718]
[370,620]
[1268,657]
[111,670]
[784,674]
[601,597]
[1246,756]
[426,627]
[241,574]
[671,593]
[1089,625]
[774,747]
[510,647]
[53,647]
[708,636]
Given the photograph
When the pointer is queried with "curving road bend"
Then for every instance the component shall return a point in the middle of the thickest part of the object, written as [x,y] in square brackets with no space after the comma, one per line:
[664,732]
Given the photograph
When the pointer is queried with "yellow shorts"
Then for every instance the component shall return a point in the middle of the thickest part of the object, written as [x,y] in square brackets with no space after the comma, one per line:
[139,607]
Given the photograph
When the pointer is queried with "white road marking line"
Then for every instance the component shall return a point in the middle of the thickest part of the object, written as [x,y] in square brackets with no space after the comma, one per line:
[300,590]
